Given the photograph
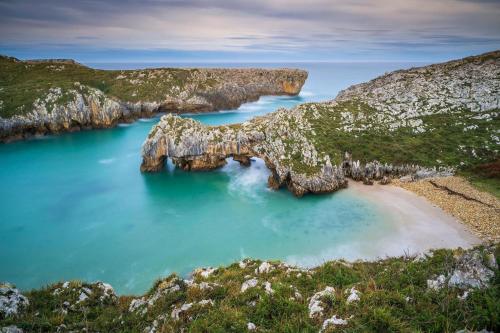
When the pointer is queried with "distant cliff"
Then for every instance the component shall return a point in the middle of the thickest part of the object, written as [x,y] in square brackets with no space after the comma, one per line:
[51,96]
[419,122]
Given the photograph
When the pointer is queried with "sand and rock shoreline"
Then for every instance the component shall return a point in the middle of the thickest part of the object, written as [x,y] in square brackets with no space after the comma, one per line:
[479,211]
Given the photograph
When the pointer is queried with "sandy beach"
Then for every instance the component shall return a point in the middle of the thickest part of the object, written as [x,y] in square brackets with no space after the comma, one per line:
[421,225]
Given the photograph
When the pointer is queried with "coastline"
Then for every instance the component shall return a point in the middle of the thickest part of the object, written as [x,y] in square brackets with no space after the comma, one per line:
[421,225]
[478,211]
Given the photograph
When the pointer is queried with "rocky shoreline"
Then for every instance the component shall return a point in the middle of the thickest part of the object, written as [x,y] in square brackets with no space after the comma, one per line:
[312,147]
[194,147]
[74,99]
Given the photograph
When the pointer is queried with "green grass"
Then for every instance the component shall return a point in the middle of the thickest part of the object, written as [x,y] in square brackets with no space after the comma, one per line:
[22,83]
[394,298]
[486,177]
[443,143]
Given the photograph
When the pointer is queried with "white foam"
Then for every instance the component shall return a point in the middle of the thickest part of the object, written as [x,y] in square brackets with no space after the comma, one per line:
[243,255]
[249,182]
[107,160]
[306,94]
[146,120]
[250,107]
[124,125]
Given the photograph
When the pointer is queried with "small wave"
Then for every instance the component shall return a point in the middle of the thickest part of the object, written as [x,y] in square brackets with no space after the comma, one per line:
[250,108]
[243,255]
[124,125]
[107,160]
[248,182]
[146,120]
[306,93]
[263,101]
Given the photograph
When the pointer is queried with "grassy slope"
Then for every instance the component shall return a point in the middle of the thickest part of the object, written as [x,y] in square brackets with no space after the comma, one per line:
[384,306]
[21,83]
[438,145]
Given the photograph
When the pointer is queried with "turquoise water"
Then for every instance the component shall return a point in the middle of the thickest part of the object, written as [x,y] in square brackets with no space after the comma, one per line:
[75,206]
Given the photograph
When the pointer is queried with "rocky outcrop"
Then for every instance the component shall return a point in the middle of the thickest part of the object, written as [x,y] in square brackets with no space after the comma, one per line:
[275,139]
[471,83]
[384,172]
[88,108]
[12,302]
[127,95]
[304,147]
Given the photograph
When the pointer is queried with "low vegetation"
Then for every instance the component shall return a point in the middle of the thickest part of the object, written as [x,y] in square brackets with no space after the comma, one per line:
[22,83]
[392,295]
[462,139]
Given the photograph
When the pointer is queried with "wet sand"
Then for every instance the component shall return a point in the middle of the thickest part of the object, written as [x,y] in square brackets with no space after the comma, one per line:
[421,225]
[415,226]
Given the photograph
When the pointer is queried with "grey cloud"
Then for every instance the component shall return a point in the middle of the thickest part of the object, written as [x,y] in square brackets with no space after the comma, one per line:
[274,25]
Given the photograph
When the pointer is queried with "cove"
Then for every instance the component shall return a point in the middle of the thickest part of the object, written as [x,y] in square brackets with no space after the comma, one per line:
[75,206]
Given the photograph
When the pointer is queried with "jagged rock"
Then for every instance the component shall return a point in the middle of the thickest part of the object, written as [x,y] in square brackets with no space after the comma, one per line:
[264,267]
[251,327]
[204,272]
[287,139]
[316,304]
[167,286]
[385,181]
[11,329]
[199,90]
[470,271]
[177,312]
[367,181]
[11,300]
[251,283]
[268,289]
[193,146]
[335,321]
[403,95]
[437,283]
[353,295]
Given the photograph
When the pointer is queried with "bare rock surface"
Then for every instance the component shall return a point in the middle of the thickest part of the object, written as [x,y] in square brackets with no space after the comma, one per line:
[12,302]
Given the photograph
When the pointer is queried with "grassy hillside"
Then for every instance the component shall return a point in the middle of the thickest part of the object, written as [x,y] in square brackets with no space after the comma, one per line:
[22,83]
[392,295]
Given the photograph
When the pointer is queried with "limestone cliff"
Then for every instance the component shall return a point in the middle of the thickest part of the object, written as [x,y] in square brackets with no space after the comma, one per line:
[418,123]
[38,97]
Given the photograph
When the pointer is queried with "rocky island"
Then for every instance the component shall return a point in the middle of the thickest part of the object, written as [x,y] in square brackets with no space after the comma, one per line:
[58,95]
[416,123]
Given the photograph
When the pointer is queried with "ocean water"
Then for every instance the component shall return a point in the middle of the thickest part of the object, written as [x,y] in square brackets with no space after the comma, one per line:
[75,206]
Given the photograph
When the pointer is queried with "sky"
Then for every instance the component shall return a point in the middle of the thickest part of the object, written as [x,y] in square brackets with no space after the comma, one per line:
[248,31]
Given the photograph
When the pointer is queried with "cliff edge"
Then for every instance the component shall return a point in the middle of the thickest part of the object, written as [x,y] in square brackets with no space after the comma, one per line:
[58,95]
[417,123]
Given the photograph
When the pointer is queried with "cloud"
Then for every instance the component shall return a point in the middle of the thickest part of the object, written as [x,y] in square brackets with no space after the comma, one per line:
[314,27]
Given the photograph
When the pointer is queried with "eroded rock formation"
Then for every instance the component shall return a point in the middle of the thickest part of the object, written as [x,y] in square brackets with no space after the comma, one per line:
[304,147]
[193,146]
[124,96]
